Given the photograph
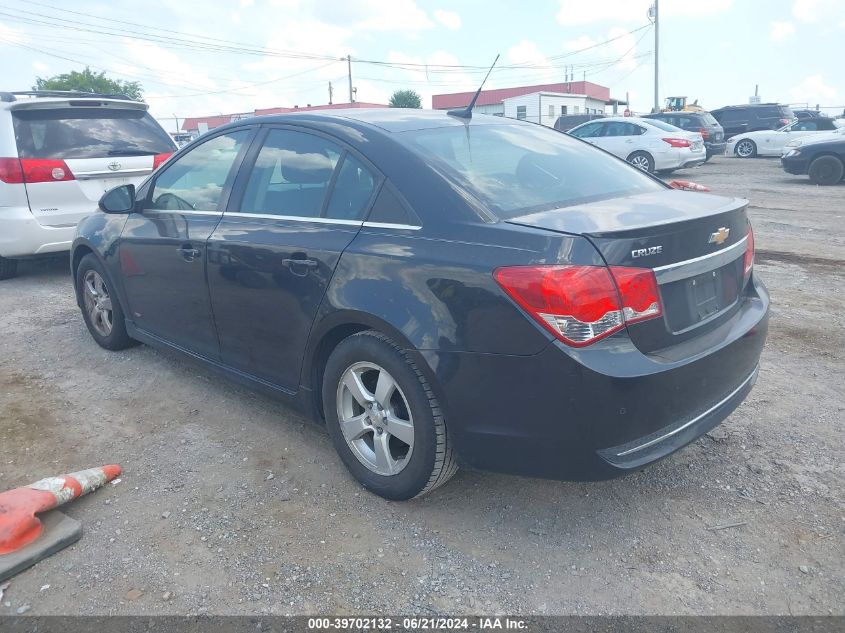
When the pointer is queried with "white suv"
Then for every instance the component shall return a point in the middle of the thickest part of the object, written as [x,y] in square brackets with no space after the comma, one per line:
[59,152]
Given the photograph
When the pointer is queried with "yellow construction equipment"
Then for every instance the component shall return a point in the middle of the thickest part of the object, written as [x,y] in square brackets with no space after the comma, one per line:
[679,104]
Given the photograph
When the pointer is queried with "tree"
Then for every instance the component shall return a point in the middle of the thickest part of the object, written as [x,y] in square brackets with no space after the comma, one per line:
[89,81]
[405,99]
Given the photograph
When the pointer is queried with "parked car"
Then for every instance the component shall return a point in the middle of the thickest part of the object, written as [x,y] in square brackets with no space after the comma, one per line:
[822,159]
[567,122]
[437,290]
[650,144]
[701,122]
[808,114]
[739,119]
[59,152]
[826,136]
[772,142]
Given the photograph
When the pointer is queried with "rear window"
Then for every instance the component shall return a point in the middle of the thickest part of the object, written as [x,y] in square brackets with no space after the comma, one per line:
[662,125]
[709,119]
[517,169]
[78,132]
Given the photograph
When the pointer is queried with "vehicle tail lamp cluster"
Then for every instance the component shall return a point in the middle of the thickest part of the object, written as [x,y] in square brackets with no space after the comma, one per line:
[704,133]
[33,170]
[677,142]
[748,258]
[582,304]
[158,159]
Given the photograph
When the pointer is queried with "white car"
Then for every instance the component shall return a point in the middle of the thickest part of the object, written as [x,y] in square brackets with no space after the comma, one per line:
[772,142]
[816,138]
[651,145]
[59,152]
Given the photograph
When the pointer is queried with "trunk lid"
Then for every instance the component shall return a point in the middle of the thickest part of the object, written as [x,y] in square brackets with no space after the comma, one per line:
[694,242]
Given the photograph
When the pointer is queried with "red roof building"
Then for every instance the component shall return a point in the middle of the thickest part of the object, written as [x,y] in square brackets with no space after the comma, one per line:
[204,123]
[497,96]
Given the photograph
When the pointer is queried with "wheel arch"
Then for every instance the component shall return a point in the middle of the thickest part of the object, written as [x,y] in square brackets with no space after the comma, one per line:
[79,251]
[329,333]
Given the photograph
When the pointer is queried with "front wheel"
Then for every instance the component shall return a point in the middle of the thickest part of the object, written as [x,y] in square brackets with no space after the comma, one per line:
[384,419]
[746,149]
[8,268]
[642,160]
[826,170]
[101,308]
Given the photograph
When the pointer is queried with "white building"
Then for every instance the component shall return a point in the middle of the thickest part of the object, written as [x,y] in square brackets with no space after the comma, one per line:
[546,107]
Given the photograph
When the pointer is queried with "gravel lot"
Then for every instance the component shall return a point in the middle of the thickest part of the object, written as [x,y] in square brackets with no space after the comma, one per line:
[231,504]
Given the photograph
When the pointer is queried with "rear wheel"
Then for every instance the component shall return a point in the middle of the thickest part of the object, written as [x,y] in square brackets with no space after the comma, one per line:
[826,170]
[746,148]
[642,160]
[8,268]
[101,308]
[383,418]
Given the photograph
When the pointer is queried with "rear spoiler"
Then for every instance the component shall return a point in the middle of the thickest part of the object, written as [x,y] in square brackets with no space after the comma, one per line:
[8,97]
[44,104]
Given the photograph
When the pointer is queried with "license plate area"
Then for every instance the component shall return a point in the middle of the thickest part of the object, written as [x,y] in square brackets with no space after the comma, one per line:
[695,300]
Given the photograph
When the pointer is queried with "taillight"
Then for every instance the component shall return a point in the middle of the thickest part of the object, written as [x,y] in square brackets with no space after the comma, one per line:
[10,171]
[748,259]
[704,133]
[582,304]
[45,170]
[158,159]
[677,142]
[784,121]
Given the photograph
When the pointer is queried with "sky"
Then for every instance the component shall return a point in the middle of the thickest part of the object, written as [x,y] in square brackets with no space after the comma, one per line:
[203,58]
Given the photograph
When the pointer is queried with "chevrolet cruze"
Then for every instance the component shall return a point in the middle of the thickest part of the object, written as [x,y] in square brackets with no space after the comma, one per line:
[439,291]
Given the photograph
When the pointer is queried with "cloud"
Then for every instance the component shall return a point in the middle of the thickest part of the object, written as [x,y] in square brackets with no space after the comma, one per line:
[40,67]
[8,35]
[374,15]
[449,19]
[813,90]
[527,52]
[810,10]
[625,46]
[782,31]
[575,12]
[580,43]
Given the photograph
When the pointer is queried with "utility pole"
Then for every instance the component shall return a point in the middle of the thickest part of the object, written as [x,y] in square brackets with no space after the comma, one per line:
[349,66]
[656,55]
[331,92]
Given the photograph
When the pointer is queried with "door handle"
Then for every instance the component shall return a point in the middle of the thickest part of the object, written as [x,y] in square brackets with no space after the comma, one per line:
[188,252]
[297,265]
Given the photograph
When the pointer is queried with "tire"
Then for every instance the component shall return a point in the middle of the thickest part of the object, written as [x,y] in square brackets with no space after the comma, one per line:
[101,308]
[745,148]
[382,462]
[642,160]
[826,170]
[8,268]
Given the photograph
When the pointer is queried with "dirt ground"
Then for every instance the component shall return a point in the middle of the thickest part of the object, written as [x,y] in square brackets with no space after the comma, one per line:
[231,504]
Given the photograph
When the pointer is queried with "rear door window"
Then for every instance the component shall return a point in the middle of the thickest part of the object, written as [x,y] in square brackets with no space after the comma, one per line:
[352,191]
[79,132]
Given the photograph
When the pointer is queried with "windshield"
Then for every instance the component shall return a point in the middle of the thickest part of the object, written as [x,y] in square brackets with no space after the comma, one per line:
[77,132]
[515,169]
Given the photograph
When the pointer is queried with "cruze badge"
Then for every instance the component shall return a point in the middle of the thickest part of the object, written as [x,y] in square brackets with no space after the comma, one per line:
[719,236]
[643,252]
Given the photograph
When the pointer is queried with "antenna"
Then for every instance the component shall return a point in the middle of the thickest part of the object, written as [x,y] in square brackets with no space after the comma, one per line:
[466,113]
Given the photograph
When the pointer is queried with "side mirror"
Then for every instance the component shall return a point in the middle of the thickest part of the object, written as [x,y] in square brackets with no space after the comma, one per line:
[118,200]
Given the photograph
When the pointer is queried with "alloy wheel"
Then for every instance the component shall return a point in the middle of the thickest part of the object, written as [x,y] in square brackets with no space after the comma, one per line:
[641,162]
[745,149]
[375,418]
[97,302]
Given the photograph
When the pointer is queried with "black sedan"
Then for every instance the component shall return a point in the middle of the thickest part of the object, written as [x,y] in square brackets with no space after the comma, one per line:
[438,291]
[823,160]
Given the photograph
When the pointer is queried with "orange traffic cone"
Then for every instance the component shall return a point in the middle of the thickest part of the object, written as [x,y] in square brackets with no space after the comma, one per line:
[18,524]
[686,185]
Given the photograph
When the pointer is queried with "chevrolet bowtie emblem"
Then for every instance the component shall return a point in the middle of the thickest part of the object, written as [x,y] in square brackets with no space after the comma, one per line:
[719,236]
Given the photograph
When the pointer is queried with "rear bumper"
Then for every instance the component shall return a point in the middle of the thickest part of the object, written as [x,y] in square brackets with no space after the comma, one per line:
[679,158]
[715,148]
[598,412]
[21,235]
